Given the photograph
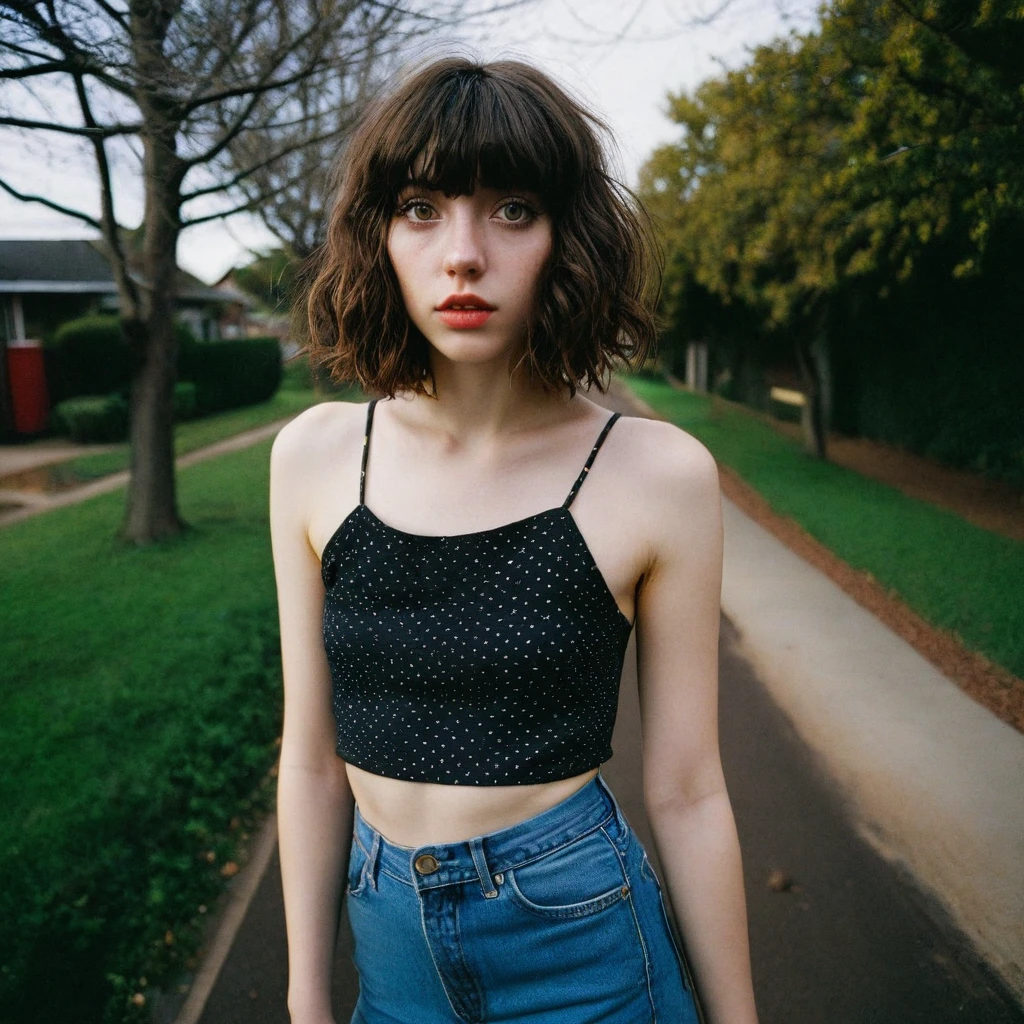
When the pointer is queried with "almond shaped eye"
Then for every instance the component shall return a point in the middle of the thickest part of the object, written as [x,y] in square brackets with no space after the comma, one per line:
[514,211]
[420,211]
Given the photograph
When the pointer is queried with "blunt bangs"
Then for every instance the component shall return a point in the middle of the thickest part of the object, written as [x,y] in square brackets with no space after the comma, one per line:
[472,129]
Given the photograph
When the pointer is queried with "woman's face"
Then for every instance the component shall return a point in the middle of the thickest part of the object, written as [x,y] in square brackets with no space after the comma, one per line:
[469,267]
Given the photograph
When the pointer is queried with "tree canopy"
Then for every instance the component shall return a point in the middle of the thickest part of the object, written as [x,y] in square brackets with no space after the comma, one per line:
[839,158]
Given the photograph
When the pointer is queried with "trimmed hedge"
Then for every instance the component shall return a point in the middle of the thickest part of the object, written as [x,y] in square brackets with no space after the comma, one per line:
[88,356]
[104,418]
[229,374]
[92,418]
[88,370]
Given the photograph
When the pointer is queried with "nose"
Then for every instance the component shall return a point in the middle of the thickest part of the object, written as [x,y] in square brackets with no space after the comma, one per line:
[465,255]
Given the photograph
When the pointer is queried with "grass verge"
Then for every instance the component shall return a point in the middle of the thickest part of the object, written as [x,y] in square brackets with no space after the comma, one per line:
[957,576]
[140,693]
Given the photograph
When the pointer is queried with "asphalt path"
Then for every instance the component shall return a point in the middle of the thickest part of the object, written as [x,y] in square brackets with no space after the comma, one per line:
[846,939]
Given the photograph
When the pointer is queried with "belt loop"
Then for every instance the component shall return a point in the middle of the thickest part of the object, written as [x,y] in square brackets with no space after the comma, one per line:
[476,848]
[374,859]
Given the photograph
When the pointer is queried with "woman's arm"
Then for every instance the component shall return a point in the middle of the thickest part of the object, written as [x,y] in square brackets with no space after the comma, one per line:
[314,801]
[684,789]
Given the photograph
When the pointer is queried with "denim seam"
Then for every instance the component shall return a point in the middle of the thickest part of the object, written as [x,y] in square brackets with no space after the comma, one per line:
[462,961]
[433,959]
[684,964]
[360,885]
[639,930]
[566,910]
[584,908]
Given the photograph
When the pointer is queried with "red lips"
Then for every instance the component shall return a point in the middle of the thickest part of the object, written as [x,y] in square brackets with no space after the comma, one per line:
[465,299]
[464,311]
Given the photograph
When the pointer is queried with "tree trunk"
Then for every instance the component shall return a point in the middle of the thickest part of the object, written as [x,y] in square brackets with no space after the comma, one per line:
[813,362]
[151,512]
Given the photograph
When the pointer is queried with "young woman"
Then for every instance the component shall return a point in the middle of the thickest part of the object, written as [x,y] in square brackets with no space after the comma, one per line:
[460,563]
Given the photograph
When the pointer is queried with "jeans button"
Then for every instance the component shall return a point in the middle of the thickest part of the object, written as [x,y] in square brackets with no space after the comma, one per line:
[426,863]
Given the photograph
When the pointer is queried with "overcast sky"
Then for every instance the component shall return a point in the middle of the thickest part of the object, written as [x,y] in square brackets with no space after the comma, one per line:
[620,56]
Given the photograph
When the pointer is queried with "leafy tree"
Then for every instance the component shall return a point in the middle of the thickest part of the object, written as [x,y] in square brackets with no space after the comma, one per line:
[838,156]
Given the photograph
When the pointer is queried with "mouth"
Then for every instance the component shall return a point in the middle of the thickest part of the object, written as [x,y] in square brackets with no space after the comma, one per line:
[465,302]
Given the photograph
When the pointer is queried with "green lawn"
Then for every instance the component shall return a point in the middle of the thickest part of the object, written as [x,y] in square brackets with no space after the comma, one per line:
[189,435]
[140,694]
[954,574]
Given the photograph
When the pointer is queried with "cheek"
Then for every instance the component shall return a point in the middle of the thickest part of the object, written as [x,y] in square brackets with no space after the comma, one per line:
[401,261]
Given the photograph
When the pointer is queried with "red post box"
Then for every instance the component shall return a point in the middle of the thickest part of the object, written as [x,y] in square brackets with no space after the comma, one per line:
[27,376]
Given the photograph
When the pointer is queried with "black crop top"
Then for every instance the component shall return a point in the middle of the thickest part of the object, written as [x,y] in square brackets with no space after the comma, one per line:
[486,658]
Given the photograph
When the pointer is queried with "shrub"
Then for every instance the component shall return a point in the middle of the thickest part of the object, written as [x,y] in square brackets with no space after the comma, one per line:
[229,374]
[184,400]
[89,356]
[92,418]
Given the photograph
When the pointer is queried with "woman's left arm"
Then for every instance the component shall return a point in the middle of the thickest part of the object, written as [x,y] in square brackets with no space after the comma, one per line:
[691,818]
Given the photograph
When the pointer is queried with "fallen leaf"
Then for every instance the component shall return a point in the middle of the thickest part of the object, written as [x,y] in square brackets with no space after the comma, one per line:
[779,881]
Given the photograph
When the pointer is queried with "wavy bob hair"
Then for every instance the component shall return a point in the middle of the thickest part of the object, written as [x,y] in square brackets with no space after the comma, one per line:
[498,125]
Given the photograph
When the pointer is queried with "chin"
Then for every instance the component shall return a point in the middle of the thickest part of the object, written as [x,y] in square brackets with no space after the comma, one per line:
[470,350]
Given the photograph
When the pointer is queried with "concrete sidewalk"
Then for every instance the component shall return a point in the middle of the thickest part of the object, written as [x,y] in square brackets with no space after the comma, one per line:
[43,454]
[934,780]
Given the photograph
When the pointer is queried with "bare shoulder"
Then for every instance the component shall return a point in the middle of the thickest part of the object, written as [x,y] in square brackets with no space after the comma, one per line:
[304,440]
[305,451]
[668,464]
[675,479]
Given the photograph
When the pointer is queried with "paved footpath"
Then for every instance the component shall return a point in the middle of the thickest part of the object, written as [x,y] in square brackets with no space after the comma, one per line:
[852,937]
[19,458]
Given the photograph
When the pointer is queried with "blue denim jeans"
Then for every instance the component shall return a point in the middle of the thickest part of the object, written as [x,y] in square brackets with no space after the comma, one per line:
[558,919]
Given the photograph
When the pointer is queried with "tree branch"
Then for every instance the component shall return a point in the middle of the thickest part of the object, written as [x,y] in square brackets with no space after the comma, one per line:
[50,68]
[96,132]
[52,205]
[111,231]
[249,171]
[245,207]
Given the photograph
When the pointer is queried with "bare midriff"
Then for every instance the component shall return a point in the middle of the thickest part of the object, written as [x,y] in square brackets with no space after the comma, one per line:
[416,814]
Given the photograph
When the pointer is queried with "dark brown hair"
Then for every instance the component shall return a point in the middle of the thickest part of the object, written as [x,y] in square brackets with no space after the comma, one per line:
[498,125]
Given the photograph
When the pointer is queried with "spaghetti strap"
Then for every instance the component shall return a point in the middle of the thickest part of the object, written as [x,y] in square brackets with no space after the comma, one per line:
[590,460]
[366,449]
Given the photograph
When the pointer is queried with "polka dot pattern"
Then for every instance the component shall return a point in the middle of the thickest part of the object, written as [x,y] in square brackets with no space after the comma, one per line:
[485,658]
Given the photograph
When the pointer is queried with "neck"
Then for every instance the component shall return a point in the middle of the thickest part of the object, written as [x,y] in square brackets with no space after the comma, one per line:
[479,402]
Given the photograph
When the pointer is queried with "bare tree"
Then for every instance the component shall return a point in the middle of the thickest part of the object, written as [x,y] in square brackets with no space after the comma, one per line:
[218,100]
[289,194]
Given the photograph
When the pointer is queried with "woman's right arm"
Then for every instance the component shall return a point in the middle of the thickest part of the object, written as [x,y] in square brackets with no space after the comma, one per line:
[314,801]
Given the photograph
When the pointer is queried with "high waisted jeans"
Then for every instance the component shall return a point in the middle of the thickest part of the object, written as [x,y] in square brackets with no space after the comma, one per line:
[558,919]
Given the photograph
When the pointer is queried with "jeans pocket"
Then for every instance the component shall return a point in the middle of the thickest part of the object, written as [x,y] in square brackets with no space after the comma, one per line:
[583,877]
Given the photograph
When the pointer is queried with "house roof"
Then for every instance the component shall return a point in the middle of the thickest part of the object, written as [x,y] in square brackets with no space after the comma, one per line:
[79,266]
